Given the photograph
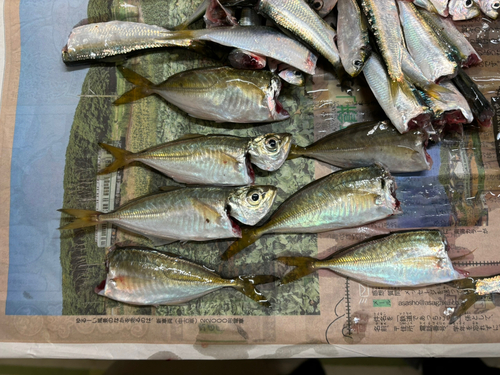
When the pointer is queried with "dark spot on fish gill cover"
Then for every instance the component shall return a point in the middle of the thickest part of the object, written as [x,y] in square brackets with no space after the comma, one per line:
[207,221]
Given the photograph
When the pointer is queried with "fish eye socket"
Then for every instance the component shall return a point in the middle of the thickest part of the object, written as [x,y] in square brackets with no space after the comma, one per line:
[272,143]
[255,197]
[468,3]
[318,5]
[357,63]
[296,73]
[496,5]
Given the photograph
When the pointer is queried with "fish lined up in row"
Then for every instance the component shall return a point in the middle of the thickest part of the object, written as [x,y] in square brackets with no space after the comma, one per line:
[460,10]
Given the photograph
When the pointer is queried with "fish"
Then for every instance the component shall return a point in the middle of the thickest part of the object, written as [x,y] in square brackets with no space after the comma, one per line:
[343,199]
[219,94]
[463,9]
[352,37]
[383,18]
[366,143]
[457,43]
[425,48]
[474,289]
[404,108]
[185,213]
[242,59]
[197,15]
[272,43]
[480,106]
[441,7]
[297,17]
[489,7]
[292,76]
[399,260]
[322,7]
[220,160]
[104,40]
[143,276]
[428,5]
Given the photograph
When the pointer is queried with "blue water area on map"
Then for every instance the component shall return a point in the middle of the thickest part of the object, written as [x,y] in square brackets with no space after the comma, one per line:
[46,103]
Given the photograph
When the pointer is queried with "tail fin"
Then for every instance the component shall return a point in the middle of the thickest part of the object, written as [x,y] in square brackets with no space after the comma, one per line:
[305,266]
[84,218]
[142,89]
[120,156]
[246,285]
[248,236]
[465,304]
[296,152]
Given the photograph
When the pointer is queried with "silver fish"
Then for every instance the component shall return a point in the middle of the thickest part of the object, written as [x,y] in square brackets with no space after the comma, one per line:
[403,259]
[271,43]
[425,48]
[404,109]
[463,9]
[220,160]
[441,7]
[489,7]
[142,276]
[185,214]
[452,106]
[352,39]
[292,76]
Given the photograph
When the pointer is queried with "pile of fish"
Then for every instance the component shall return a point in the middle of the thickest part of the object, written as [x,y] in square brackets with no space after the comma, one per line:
[412,60]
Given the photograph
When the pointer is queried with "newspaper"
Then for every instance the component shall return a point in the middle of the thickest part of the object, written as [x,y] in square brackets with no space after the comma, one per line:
[53,117]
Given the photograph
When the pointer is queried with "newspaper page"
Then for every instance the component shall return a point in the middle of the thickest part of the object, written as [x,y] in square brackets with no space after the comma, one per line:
[53,117]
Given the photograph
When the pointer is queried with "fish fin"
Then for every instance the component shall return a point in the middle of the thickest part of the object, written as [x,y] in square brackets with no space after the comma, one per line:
[120,156]
[190,136]
[305,266]
[84,218]
[164,189]
[246,285]
[248,236]
[465,304]
[296,152]
[393,89]
[142,89]
[184,35]
[434,90]
[157,241]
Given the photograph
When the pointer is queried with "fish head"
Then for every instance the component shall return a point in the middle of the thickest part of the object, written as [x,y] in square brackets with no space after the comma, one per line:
[250,204]
[357,60]
[292,76]
[272,92]
[463,9]
[490,8]
[269,151]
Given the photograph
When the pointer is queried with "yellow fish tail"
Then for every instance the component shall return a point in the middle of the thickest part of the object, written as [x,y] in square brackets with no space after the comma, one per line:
[120,156]
[142,89]
[304,266]
[84,218]
[246,285]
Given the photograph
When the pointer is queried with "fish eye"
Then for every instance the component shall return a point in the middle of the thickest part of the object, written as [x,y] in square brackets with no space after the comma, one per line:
[318,5]
[468,3]
[297,73]
[495,6]
[255,197]
[357,63]
[272,144]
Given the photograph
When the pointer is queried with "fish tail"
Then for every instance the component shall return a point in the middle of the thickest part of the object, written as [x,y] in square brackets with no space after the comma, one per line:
[304,266]
[296,152]
[246,285]
[248,236]
[464,304]
[84,218]
[186,36]
[120,155]
[142,89]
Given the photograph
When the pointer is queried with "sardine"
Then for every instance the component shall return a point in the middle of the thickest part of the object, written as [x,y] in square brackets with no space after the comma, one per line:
[404,108]
[322,7]
[425,48]
[219,94]
[456,42]
[142,276]
[343,199]
[384,21]
[369,142]
[241,59]
[297,17]
[292,76]
[480,106]
[209,159]
[474,289]
[103,40]
[197,15]
[185,214]
[271,43]
[352,38]
[489,7]
[401,260]
[463,9]
[452,106]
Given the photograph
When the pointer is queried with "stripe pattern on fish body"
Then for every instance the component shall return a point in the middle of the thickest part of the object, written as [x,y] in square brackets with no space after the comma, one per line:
[142,276]
[366,143]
